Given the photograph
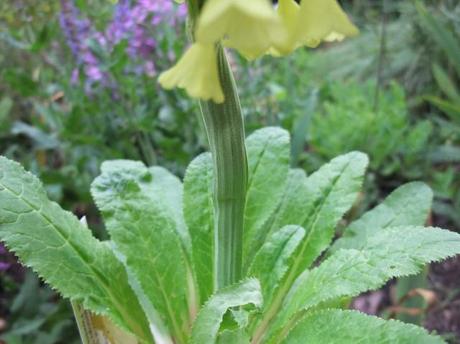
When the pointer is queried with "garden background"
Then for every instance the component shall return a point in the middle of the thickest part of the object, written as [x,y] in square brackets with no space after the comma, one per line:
[78,85]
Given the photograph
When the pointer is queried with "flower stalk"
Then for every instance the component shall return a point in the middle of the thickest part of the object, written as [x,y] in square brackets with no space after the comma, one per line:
[253,28]
[225,130]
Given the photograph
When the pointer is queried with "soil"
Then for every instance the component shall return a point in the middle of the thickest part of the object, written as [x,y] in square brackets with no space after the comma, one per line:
[442,315]
[11,277]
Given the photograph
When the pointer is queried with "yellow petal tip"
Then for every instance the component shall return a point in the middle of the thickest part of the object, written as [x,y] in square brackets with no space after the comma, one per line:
[197,73]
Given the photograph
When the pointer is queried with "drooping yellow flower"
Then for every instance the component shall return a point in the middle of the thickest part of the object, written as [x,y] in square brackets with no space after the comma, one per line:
[288,12]
[197,73]
[249,26]
[323,20]
[311,23]
[253,28]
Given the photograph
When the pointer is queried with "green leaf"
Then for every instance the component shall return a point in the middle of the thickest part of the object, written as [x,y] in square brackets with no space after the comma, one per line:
[441,34]
[207,324]
[324,197]
[333,190]
[167,189]
[63,251]
[238,336]
[268,164]
[450,108]
[199,216]
[445,154]
[293,202]
[6,104]
[144,230]
[350,327]
[40,139]
[391,252]
[274,258]
[445,83]
[409,205]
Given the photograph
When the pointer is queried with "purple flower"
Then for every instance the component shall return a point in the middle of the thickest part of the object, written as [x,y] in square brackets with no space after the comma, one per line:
[94,73]
[75,76]
[122,22]
[3,265]
[135,21]
[157,6]
[78,31]
[149,68]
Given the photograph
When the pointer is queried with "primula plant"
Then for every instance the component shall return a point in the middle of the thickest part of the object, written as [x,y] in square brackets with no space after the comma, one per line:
[241,251]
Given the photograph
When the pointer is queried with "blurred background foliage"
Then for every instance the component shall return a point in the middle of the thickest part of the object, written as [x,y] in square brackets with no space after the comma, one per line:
[78,86]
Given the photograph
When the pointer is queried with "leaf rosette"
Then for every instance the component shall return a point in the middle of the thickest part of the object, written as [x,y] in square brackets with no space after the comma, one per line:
[154,279]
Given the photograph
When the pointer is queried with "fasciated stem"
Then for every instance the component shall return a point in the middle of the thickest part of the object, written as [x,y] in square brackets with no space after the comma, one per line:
[225,130]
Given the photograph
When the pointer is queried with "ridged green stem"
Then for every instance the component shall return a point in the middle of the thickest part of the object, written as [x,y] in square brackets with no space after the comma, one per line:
[225,130]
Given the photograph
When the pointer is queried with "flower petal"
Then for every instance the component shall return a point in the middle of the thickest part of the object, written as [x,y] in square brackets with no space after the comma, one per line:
[323,20]
[248,26]
[288,12]
[197,73]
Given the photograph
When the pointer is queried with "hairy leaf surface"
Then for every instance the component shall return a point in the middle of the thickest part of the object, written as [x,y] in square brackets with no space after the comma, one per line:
[145,233]
[199,216]
[293,203]
[167,189]
[409,205]
[207,324]
[238,336]
[63,251]
[268,164]
[325,196]
[333,189]
[392,252]
[274,258]
[351,327]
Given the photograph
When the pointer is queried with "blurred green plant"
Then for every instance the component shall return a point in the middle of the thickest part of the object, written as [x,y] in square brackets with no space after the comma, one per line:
[347,121]
[421,50]
[444,33]
[16,14]
[62,130]
[443,28]
[38,317]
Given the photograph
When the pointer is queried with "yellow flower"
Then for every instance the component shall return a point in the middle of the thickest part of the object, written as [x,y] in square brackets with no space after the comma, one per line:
[288,12]
[253,28]
[323,20]
[197,73]
[250,26]
[310,23]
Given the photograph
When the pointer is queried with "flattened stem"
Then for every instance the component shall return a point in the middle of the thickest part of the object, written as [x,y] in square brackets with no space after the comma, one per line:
[225,130]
